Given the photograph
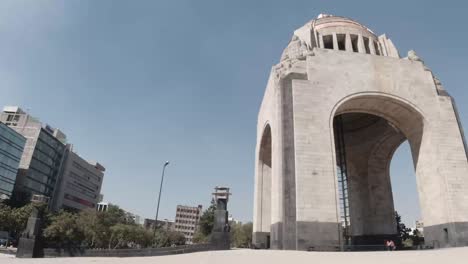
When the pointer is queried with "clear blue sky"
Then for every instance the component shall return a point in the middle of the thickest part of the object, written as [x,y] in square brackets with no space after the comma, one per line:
[135,83]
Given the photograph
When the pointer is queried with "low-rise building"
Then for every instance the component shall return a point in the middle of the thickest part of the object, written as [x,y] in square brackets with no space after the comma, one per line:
[102,206]
[186,221]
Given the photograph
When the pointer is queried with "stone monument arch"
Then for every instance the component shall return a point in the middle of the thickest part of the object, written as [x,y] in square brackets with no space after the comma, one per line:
[336,107]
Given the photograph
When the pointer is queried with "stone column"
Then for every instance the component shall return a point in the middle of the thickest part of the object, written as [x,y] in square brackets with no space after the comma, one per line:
[316,207]
[361,47]
[335,42]
[288,166]
[371,46]
[321,40]
[349,45]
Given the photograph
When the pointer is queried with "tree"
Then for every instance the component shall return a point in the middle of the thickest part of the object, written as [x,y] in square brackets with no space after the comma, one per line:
[14,220]
[417,238]
[241,235]
[176,238]
[6,222]
[97,225]
[121,236]
[112,229]
[87,219]
[64,230]
[206,224]
[402,230]
[165,238]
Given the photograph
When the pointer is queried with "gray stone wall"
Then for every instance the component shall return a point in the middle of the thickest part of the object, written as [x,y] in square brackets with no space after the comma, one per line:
[144,252]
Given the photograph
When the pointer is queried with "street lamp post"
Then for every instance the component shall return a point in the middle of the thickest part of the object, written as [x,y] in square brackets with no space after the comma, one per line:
[159,197]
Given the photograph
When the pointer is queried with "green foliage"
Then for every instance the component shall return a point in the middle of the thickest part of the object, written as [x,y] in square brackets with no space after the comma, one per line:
[14,220]
[88,228]
[5,216]
[199,237]
[206,224]
[87,219]
[98,227]
[241,235]
[64,230]
[129,235]
[417,238]
[402,231]
[165,238]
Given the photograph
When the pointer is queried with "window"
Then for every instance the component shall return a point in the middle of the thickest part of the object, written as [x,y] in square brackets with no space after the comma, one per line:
[328,42]
[354,43]
[366,45]
[13,118]
[341,41]
[376,47]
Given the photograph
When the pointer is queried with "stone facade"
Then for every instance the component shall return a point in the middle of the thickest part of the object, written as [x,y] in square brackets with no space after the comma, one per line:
[335,67]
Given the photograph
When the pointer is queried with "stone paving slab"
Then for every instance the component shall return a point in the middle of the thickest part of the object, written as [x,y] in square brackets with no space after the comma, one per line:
[245,256]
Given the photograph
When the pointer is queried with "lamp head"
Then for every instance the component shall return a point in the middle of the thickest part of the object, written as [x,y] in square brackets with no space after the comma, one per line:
[166,163]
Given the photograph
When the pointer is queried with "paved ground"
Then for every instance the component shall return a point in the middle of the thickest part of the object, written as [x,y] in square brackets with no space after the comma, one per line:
[444,256]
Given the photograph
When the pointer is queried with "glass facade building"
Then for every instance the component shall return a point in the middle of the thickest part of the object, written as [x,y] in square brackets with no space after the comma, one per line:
[42,158]
[41,175]
[11,149]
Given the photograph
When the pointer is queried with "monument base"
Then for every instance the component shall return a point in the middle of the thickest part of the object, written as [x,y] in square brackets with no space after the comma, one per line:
[221,240]
[29,248]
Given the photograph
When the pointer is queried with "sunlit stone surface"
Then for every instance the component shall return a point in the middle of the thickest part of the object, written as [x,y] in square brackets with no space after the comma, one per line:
[337,70]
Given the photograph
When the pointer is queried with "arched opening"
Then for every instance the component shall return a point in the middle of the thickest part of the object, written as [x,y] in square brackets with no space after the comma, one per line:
[367,132]
[405,195]
[264,172]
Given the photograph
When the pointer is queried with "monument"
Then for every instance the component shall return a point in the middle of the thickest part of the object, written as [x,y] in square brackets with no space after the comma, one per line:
[220,237]
[30,243]
[336,107]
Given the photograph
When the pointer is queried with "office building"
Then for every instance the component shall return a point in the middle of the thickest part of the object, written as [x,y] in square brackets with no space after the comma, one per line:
[42,157]
[11,149]
[80,183]
[186,221]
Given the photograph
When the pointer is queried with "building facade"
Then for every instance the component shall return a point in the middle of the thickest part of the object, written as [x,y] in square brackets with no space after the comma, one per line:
[164,224]
[336,107]
[80,183]
[186,221]
[11,150]
[102,206]
[42,157]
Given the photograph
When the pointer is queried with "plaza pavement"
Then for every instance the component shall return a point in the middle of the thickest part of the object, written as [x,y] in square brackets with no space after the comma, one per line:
[245,256]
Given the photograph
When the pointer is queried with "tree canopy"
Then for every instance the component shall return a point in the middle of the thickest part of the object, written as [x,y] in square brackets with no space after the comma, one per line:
[88,228]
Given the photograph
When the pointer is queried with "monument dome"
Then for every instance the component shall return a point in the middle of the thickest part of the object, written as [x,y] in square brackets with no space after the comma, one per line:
[337,33]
